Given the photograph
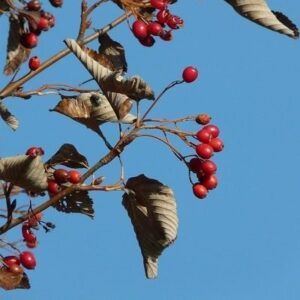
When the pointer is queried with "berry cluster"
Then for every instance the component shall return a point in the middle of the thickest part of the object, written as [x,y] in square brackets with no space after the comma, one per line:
[27,233]
[201,165]
[61,176]
[145,31]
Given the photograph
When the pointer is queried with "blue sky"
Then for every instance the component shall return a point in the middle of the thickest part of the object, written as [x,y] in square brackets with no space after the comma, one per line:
[242,241]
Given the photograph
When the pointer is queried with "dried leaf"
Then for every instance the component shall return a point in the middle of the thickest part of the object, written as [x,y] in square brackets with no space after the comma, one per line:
[3,7]
[151,207]
[67,155]
[77,202]
[24,171]
[11,281]
[134,87]
[8,117]
[259,12]
[93,109]
[16,53]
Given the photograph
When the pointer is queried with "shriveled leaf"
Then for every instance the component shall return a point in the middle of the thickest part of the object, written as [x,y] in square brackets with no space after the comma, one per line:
[259,12]
[24,171]
[16,53]
[67,155]
[8,117]
[77,202]
[134,87]
[3,7]
[11,281]
[151,207]
[93,109]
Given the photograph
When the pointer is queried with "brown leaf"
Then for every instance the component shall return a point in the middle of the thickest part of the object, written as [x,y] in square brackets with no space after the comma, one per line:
[24,171]
[16,53]
[151,207]
[259,12]
[11,281]
[77,202]
[67,155]
[3,7]
[8,117]
[133,87]
[93,109]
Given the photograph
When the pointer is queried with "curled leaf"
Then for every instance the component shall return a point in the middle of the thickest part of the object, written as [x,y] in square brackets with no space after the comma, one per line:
[68,155]
[77,202]
[259,12]
[8,117]
[24,171]
[134,87]
[151,207]
[11,281]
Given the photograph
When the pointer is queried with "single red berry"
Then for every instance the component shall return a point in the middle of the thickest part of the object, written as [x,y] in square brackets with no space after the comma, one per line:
[35,151]
[56,3]
[43,24]
[61,175]
[210,182]
[166,35]
[11,260]
[203,119]
[148,41]
[158,4]
[16,269]
[29,40]
[27,260]
[32,244]
[208,167]
[174,22]
[189,74]
[27,233]
[140,29]
[199,190]
[74,176]
[195,164]
[213,129]
[34,63]
[34,220]
[162,16]
[34,5]
[205,151]
[53,187]
[47,15]
[154,28]
[217,144]
[203,136]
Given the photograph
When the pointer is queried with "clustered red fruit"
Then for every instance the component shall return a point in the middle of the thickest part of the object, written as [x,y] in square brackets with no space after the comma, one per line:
[61,176]
[202,165]
[162,25]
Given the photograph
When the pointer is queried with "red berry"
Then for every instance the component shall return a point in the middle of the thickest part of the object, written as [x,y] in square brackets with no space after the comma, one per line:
[11,260]
[53,187]
[203,119]
[208,167]
[35,219]
[29,40]
[27,233]
[199,190]
[16,269]
[213,129]
[205,151]
[148,41]
[189,74]
[74,176]
[217,144]
[34,5]
[158,4]
[51,19]
[174,22]
[61,175]
[203,136]
[34,63]
[43,24]
[154,28]
[35,151]
[210,182]
[166,35]
[32,244]
[162,16]
[27,260]
[139,29]
[195,164]
[56,3]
